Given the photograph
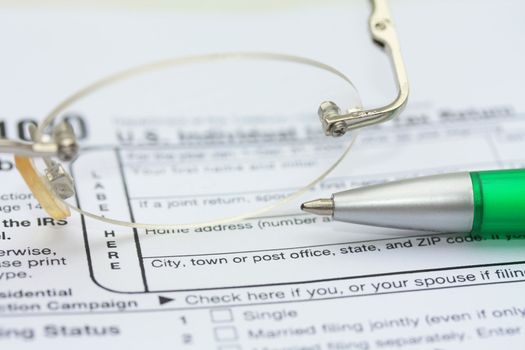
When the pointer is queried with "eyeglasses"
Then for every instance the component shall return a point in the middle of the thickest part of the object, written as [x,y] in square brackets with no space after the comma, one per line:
[201,140]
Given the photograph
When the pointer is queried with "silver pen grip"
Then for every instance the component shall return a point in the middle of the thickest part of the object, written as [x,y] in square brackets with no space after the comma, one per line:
[442,203]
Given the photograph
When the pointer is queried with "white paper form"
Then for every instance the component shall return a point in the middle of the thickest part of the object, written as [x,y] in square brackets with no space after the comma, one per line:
[289,282]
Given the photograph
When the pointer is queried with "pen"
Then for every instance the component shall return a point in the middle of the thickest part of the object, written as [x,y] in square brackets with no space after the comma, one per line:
[481,202]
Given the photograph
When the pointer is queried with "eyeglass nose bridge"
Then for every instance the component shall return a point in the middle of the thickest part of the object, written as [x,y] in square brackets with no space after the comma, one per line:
[66,141]
[56,183]
[63,144]
[57,178]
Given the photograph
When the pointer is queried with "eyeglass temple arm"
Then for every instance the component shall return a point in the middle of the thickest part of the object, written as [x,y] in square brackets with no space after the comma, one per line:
[384,34]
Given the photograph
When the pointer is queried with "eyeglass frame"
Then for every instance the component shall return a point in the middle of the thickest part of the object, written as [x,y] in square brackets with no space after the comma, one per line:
[62,143]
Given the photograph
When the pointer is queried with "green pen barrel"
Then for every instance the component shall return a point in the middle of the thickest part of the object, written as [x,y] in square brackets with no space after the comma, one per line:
[499,201]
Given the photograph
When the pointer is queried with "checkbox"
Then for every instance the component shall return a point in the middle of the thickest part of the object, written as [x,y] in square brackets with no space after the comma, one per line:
[229,347]
[225,333]
[221,315]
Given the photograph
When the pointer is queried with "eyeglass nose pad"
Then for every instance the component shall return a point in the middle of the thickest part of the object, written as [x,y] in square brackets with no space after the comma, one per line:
[41,189]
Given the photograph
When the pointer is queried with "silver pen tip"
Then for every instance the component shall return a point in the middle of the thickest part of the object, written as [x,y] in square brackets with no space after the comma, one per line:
[323,206]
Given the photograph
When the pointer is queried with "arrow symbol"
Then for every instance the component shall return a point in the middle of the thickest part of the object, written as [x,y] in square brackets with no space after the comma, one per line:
[164,300]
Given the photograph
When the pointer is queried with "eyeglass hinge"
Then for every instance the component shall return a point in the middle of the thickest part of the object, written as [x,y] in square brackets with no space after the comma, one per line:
[336,124]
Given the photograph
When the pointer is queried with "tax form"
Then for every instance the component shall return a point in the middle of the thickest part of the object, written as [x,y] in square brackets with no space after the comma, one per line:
[277,282]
